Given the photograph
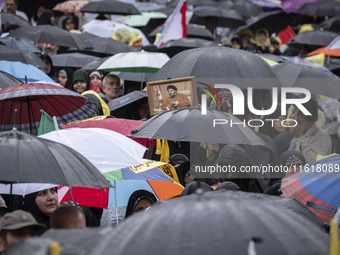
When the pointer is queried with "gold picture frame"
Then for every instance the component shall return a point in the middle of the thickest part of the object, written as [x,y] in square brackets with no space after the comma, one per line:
[160,99]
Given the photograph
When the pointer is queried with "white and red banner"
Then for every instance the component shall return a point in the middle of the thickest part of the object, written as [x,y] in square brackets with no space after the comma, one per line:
[175,26]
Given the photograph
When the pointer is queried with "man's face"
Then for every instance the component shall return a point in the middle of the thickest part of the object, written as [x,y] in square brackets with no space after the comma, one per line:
[111,88]
[172,92]
[15,236]
[11,7]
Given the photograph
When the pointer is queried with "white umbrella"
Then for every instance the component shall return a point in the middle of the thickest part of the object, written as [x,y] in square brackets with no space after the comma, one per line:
[135,62]
[105,149]
[105,28]
[335,44]
[24,188]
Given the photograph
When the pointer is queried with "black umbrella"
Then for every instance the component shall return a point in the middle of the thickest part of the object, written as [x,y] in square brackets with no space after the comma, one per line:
[29,159]
[225,18]
[49,34]
[320,9]
[190,125]
[176,46]
[333,64]
[193,31]
[76,60]
[282,202]
[272,21]
[110,7]
[8,80]
[219,64]
[102,46]
[24,56]
[208,224]
[247,9]
[316,81]
[20,44]
[313,39]
[94,64]
[8,19]
[332,24]
[126,99]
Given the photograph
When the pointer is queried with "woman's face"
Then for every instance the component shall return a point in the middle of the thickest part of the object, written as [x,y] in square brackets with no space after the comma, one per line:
[96,81]
[138,44]
[69,25]
[79,86]
[47,200]
[40,10]
[62,79]
[262,37]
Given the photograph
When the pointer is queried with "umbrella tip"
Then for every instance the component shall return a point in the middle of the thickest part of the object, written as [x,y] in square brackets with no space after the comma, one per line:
[15,120]
[25,78]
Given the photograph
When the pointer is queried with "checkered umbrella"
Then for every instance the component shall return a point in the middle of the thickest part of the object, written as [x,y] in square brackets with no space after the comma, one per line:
[29,98]
[70,6]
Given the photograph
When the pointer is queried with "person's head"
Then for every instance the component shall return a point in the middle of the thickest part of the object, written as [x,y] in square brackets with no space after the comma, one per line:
[143,111]
[39,9]
[49,64]
[302,52]
[47,18]
[62,77]
[136,41]
[70,216]
[96,79]
[49,48]
[16,226]
[276,42]
[68,24]
[262,36]
[196,187]
[11,6]
[311,106]
[172,90]
[80,81]
[47,200]
[227,185]
[236,43]
[245,36]
[139,201]
[111,85]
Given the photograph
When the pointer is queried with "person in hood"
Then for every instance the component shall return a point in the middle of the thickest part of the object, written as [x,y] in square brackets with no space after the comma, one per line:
[275,46]
[65,77]
[261,41]
[102,107]
[80,81]
[40,204]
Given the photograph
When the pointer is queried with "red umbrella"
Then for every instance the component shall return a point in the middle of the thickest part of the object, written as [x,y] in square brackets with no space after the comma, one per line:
[29,98]
[70,6]
[122,126]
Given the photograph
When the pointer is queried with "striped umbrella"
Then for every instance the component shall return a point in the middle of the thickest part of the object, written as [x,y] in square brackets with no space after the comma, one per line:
[29,98]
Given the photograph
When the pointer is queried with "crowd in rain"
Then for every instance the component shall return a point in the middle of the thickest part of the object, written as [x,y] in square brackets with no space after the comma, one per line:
[278,191]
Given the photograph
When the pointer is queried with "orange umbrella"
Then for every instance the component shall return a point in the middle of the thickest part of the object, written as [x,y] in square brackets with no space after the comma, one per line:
[324,50]
[70,6]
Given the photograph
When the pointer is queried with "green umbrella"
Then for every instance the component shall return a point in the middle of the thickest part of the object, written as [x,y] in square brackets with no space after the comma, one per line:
[143,19]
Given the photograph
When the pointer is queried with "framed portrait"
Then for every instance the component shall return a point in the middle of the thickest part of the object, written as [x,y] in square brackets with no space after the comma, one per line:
[171,94]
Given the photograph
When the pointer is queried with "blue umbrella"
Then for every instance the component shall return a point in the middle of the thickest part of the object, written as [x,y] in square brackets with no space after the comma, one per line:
[20,44]
[21,70]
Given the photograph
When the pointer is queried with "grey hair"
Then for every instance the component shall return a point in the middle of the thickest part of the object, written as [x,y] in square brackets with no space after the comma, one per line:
[112,76]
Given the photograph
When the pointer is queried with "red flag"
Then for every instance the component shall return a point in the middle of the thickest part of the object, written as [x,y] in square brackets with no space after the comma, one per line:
[286,35]
[175,27]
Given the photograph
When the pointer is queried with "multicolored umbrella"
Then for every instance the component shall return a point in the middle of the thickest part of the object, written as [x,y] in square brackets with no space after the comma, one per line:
[152,176]
[70,6]
[326,51]
[316,186]
[29,98]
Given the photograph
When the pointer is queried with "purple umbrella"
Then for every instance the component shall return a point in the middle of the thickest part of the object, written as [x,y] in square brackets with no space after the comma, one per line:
[294,5]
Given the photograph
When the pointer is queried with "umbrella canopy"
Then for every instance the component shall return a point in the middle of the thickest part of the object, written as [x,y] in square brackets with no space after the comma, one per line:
[333,64]
[219,64]
[320,9]
[225,18]
[102,46]
[29,98]
[29,159]
[316,81]
[190,125]
[313,39]
[318,190]
[294,5]
[282,202]
[20,44]
[207,223]
[21,71]
[246,9]
[332,24]
[327,52]
[307,62]
[173,47]
[49,34]
[268,5]
[105,149]
[335,44]
[126,99]
[94,64]
[7,80]
[110,7]
[135,62]
[8,19]
[72,59]
[105,28]
[147,21]
[24,189]
[27,57]
[193,31]
[70,6]
[274,22]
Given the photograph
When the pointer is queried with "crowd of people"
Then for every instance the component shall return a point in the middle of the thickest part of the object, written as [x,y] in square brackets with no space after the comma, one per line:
[291,146]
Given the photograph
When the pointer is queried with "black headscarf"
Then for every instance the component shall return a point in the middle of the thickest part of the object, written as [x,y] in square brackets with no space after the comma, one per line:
[195,188]
[69,74]
[135,197]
